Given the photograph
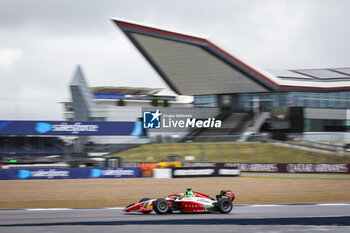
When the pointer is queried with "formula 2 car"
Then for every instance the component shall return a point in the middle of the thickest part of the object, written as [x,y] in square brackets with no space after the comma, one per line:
[190,201]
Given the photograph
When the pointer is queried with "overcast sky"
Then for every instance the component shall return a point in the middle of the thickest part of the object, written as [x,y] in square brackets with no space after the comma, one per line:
[42,41]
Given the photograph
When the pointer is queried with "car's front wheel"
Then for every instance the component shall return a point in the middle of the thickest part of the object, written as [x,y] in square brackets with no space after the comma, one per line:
[224,206]
[161,206]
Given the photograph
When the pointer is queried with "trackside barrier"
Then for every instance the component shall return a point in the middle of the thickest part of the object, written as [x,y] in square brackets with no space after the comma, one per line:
[69,173]
[339,168]
[185,172]
[160,173]
[336,168]
[147,169]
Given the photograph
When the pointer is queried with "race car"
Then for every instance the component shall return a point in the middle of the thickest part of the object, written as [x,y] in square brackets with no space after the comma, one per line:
[193,202]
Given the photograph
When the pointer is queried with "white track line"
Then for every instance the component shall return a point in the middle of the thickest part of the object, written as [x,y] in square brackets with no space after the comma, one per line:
[261,205]
[114,208]
[333,204]
[279,205]
[44,209]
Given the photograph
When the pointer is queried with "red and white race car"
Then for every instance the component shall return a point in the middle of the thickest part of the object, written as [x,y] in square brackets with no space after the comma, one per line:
[187,202]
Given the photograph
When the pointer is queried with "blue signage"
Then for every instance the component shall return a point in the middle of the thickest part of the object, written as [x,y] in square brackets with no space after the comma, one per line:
[69,173]
[70,128]
[114,172]
[109,96]
[42,127]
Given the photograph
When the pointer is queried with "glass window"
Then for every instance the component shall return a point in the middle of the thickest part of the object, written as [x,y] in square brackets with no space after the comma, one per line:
[313,100]
[298,101]
[339,100]
[342,99]
[205,101]
[323,101]
[331,100]
[97,119]
[307,125]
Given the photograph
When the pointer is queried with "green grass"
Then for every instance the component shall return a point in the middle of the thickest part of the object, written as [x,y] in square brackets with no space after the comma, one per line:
[252,152]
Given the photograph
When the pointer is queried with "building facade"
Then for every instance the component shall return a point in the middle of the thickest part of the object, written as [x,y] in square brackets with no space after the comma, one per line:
[193,65]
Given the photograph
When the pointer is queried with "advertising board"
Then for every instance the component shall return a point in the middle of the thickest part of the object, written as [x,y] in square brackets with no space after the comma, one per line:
[69,173]
[183,172]
[70,128]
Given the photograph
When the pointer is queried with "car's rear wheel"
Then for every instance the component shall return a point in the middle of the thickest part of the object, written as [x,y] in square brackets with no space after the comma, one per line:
[144,199]
[224,206]
[161,206]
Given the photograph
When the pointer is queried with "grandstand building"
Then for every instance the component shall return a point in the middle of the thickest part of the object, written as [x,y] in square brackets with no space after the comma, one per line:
[195,66]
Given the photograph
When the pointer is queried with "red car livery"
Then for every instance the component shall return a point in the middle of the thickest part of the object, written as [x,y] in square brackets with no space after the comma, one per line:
[191,201]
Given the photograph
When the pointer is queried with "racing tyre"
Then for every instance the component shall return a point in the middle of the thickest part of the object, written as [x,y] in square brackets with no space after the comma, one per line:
[161,206]
[224,206]
[144,199]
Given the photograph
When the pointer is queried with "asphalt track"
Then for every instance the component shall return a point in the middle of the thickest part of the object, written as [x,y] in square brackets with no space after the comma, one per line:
[331,217]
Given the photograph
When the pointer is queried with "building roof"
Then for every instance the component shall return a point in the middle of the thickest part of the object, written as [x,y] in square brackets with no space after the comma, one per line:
[334,74]
[195,66]
[125,90]
[81,94]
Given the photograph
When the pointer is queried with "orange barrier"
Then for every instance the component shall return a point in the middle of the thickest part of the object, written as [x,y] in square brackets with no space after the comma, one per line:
[147,169]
